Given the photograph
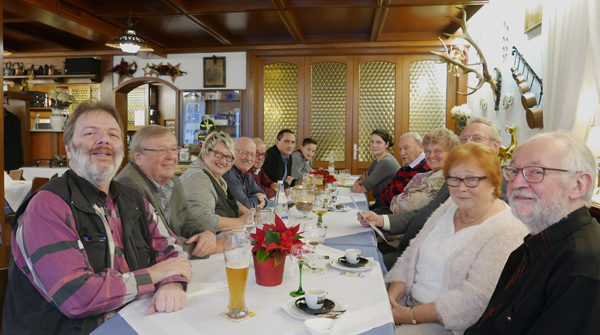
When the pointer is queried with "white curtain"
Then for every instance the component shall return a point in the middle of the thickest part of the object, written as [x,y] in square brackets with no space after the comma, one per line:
[571,63]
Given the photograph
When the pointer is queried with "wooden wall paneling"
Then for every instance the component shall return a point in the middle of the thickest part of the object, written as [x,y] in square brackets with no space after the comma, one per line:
[349,61]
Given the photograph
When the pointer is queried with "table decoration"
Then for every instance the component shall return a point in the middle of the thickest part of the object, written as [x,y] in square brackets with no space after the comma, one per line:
[271,244]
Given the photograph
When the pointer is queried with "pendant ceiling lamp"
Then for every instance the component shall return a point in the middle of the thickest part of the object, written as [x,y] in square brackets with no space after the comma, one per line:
[129,42]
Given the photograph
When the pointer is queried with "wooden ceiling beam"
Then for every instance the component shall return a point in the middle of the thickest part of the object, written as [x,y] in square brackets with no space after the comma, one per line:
[290,22]
[44,38]
[379,19]
[204,22]
[64,16]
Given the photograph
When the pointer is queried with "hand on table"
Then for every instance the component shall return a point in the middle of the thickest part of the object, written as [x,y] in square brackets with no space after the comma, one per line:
[400,313]
[169,298]
[205,243]
[358,188]
[289,180]
[170,267]
[368,216]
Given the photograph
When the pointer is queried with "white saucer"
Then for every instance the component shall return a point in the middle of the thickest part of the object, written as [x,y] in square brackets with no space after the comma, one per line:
[337,265]
[290,308]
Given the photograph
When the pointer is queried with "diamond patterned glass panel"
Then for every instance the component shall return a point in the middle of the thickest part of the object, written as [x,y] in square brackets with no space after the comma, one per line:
[328,110]
[95,94]
[427,109]
[136,100]
[377,103]
[280,100]
[80,94]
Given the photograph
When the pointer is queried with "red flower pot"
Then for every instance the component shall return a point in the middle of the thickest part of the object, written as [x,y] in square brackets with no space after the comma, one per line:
[267,274]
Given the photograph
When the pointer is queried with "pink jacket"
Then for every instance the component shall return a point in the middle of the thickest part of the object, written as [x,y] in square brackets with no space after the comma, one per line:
[471,273]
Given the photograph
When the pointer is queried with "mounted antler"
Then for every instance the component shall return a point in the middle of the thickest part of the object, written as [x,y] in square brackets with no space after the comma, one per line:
[482,76]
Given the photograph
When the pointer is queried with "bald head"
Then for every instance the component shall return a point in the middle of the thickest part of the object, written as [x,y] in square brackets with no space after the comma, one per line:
[261,150]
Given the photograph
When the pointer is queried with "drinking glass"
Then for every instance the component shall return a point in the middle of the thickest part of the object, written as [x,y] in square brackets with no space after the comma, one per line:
[237,249]
[321,206]
[342,179]
[305,199]
[265,216]
[314,234]
[250,220]
[300,254]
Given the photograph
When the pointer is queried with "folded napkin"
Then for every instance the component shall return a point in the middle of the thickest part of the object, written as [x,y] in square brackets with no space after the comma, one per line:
[198,289]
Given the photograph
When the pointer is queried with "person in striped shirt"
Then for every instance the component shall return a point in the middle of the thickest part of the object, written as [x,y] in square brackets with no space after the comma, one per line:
[84,245]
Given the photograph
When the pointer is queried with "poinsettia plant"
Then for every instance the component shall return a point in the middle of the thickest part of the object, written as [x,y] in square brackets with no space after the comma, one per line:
[274,241]
[327,178]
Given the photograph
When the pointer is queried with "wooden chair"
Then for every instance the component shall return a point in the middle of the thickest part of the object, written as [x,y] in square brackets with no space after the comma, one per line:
[37,183]
[54,176]
[16,174]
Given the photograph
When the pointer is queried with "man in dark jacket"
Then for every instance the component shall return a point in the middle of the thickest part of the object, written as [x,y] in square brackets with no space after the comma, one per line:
[84,246]
[278,163]
[551,283]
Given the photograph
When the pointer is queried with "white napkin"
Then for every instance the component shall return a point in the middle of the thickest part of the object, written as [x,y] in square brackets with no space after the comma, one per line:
[7,179]
[198,289]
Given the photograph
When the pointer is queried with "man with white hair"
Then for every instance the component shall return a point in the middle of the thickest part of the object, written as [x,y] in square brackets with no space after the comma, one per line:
[551,283]
[239,181]
[410,147]
[154,157]
[83,246]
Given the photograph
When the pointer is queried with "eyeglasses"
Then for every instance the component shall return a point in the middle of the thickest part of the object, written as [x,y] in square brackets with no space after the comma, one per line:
[436,152]
[245,154]
[163,151]
[219,155]
[261,155]
[469,181]
[474,138]
[532,174]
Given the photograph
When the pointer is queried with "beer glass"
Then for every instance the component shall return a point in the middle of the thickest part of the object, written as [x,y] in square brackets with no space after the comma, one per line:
[237,249]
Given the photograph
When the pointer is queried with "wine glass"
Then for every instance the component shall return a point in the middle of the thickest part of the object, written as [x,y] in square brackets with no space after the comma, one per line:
[249,220]
[300,254]
[314,233]
[321,206]
[305,199]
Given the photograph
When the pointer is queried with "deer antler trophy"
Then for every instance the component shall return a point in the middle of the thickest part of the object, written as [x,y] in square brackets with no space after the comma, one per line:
[483,76]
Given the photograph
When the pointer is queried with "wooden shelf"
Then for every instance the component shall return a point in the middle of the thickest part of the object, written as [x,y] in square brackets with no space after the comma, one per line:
[57,79]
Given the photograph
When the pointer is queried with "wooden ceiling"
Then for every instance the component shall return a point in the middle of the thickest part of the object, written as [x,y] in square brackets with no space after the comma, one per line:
[77,27]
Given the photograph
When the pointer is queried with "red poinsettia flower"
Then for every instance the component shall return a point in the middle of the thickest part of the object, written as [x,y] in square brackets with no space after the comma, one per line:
[274,241]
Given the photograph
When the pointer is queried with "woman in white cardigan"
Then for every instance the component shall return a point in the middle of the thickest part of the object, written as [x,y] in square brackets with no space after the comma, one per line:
[443,281]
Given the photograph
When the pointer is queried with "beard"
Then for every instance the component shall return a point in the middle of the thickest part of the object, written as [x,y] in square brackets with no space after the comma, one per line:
[97,175]
[544,213]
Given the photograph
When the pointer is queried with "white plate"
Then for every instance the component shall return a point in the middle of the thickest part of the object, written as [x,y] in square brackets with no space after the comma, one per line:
[337,265]
[291,309]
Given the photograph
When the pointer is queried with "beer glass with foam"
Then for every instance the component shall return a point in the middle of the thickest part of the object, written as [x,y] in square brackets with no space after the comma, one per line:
[237,249]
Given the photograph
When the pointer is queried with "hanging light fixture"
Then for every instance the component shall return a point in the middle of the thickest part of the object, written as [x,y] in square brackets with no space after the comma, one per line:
[129,42]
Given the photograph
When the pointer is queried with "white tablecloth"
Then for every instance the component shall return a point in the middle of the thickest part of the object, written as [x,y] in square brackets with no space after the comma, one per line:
[46,172]
[365,300]
[15,193]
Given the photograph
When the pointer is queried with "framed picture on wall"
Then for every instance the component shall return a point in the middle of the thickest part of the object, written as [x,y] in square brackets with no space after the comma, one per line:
[533,14]
[214,71]
[170,123]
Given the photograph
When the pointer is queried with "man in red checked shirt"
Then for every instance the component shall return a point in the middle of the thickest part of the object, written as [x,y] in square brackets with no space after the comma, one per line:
[84,245]
[260,177]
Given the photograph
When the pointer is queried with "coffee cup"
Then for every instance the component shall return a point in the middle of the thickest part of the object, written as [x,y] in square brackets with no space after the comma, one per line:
[315,297]
[352,256]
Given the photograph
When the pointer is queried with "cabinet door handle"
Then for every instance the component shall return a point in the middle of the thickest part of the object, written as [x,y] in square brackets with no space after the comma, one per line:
[355,151]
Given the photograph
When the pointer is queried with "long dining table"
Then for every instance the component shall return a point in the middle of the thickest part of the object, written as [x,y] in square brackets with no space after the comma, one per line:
[364,297]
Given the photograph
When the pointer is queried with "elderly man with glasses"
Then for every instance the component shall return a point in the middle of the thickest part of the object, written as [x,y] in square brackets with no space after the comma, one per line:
[239,180]
[551,283]
[151,171]
[479,130]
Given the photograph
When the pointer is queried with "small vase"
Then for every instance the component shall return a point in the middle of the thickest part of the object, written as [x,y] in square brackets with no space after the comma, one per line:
[57,120]
[267,274]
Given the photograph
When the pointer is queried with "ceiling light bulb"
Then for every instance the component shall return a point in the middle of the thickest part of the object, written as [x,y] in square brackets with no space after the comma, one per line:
[129,47]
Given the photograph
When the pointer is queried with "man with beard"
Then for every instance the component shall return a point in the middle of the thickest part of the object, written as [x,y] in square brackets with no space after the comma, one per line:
[84,245]
[239,181]
[551,283]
